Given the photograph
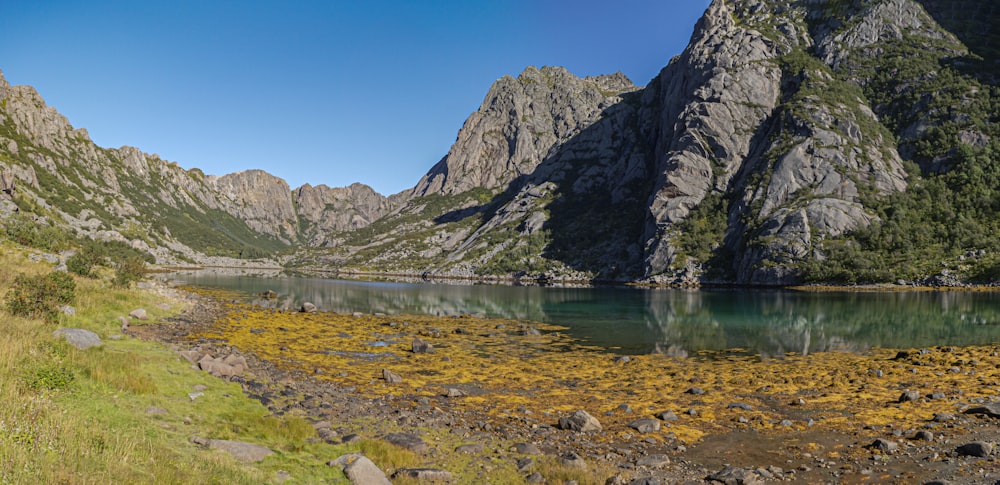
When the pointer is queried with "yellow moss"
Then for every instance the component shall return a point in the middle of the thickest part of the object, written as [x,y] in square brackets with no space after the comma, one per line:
[551,373]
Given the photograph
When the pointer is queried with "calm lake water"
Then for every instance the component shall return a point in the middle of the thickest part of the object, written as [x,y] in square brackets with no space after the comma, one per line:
[676,322]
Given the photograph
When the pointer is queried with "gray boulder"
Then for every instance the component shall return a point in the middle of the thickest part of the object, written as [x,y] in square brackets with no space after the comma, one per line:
[139,314]
[581,422]
[360,470]
[79,338]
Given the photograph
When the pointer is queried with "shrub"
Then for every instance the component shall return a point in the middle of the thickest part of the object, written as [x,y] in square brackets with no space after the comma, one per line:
[128,271]
[40,296]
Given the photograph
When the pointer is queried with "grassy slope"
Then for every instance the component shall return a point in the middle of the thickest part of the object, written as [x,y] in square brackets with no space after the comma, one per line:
[73,416]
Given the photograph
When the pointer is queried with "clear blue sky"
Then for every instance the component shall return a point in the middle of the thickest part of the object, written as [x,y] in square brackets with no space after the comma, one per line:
[325,92]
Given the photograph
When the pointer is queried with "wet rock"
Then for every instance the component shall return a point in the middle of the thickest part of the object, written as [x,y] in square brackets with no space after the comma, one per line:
[909,396]
[979,449]
[139,314]
[360,470]
[78,337]
[645,425]
[884,446]
[581,422]
[471,448]
[573,460]
[308,307]
[735,476]
[653,461]
[424,474]
[391,377]
[408,441]
[527,449]
[419,346]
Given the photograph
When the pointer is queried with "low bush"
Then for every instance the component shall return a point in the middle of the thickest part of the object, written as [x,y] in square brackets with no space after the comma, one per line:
[40,296]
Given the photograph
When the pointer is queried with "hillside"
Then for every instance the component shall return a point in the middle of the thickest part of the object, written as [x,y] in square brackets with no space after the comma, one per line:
[791,142]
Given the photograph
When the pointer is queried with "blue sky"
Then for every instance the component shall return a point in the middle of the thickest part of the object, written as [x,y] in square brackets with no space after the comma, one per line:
[325,92]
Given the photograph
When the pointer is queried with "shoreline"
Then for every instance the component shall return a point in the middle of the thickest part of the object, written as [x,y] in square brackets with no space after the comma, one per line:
[836,405]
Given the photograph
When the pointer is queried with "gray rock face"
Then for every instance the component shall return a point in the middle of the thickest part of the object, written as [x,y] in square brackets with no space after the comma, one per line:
[326,210]
[260,199]
[517,125]
[79,338]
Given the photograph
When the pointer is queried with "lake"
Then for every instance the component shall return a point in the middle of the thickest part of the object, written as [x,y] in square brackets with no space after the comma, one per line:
[670,321]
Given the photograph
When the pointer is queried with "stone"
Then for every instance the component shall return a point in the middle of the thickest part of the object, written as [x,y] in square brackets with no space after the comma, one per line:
[241,451]
[581,422]
[192,356]
[124,325]
[990,409]
[68,310]
[423,475]
[735,476]
[666,416]
[471,448]
[454,392]
[527,449]
[360,470]
[525,464]
[535,478]
[218,368]
[739,405]
[308,307]
[408,441]
[78,337]
[351,438]
[924,435]
[139,314]
[909,396]
[884,446]
[645,425]
[695,390]
[653,461]
[155,411]
[978,449]
[573,460]
[391,377]
[420,346]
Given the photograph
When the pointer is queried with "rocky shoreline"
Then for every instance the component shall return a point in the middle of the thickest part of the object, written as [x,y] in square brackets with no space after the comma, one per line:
[888,417]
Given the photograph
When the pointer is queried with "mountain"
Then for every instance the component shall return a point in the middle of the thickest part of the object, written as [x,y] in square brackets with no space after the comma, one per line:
[63,178]
[793,141]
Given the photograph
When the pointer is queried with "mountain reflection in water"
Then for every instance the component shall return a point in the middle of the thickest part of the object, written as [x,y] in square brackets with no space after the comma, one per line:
[677,322]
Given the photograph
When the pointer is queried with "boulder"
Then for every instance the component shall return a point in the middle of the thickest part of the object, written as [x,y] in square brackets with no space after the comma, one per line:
[360,470]
[409,441]
[139,314]
[581,422]
[79,338]
[645,425]
[308,307]
[391,377]
[423,475]
[420,346]
[978,449]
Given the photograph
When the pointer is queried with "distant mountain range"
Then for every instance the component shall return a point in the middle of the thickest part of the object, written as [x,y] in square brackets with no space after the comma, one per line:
[791,141]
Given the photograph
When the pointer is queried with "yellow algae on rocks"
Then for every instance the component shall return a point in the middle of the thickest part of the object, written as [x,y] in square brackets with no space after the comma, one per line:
[501,365]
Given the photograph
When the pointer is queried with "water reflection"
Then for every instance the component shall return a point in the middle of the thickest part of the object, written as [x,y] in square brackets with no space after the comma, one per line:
[676,322]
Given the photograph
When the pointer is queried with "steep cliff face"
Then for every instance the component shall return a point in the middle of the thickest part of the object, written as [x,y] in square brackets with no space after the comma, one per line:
[261,200]
[517,125]
[323,211]
[774,148]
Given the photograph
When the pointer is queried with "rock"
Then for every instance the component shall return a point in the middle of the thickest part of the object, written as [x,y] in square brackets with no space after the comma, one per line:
[653,461]
[944,417]
[739,405]
[735,476]
[525,464]
[192,356]
[350,438]
[78,337]
[471,448]
[308,307]
[408,441]
[68,310]
[124,325]
[695,390]
[909,396]
[884,446]
[453,392]
[391,377]
[990,409]
[666,416]
[645,425]
[535,478]
[979,449]
[645,481]
[217,368]
[241,451]
[924,435]
[622,359]
[199,387]
[581,422]
[419,346]
[360,470]
[527,449]
[139,314]
[573,460]
[268,294]
[195,395]
[155,411]
[424,474]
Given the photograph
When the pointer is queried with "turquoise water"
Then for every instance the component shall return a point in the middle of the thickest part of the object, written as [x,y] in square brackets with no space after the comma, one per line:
[677,322]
